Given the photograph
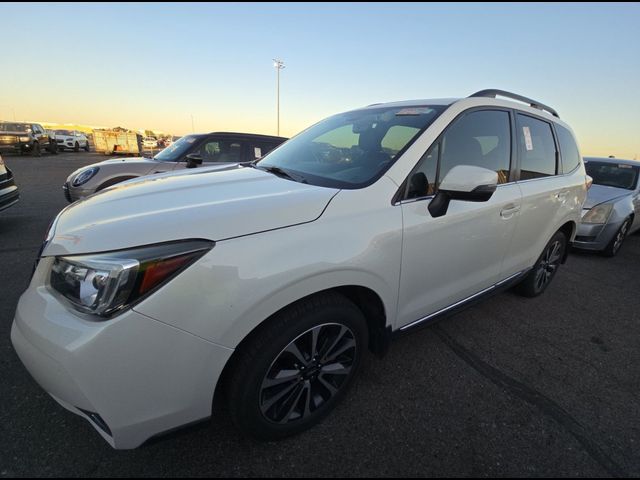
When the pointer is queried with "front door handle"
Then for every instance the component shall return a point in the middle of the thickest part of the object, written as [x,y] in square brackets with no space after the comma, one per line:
[509,210]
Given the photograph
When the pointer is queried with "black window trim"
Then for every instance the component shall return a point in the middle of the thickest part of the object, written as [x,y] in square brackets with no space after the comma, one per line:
[514,164]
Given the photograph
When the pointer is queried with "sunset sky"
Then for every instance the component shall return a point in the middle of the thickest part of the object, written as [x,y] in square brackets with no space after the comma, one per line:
[156,65]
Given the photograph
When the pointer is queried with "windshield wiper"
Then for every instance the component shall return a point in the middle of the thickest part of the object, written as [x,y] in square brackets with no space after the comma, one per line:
[282,173]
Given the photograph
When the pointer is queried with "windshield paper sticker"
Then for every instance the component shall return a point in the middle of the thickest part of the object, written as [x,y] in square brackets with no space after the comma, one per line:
[528,143]
[257,152]
[413,111]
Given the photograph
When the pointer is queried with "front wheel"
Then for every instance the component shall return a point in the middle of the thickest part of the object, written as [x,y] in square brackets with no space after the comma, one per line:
[612,249]
[76,147]
[35,150]
[86,147]
[540,276]
[294,371]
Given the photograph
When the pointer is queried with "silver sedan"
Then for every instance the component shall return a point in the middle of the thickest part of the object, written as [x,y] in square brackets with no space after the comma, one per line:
[612,209]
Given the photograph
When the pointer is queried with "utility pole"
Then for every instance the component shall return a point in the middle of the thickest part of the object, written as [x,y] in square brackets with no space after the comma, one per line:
[279,65]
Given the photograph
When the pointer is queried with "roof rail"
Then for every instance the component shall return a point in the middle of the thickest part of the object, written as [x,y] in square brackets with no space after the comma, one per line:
[493,93]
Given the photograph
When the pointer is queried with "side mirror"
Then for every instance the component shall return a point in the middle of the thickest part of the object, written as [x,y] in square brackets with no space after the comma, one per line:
[193,160]
[464,182]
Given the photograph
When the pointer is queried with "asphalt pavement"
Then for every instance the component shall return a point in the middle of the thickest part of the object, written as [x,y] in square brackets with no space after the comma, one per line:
[509,387]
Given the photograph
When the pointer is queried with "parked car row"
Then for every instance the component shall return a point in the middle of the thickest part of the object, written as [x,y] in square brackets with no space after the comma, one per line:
[23,138]
[190,151]
[71,140]
[264,279]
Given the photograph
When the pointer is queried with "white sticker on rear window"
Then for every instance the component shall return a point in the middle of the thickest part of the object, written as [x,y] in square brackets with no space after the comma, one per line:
[624,166]
[528,143]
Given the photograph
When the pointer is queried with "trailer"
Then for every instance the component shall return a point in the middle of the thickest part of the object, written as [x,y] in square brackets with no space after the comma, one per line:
[114,142]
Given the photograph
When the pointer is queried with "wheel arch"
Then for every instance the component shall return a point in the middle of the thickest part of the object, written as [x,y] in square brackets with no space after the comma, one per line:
[569,229]
[366,299]
[115,180]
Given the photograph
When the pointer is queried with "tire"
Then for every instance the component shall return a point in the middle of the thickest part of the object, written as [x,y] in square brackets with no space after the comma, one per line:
[35,150]
[86,147]
[612,249]
[76,147]
[545,268]
[284,408]
[53,149]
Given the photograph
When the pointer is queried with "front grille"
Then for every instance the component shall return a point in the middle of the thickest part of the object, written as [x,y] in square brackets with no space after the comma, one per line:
[8,139]
[97,420]
[60,141]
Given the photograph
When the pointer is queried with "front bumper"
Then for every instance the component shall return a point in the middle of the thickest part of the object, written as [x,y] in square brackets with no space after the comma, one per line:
[72,193]
[595,236]
[9,194]
[132,377]
[15,147]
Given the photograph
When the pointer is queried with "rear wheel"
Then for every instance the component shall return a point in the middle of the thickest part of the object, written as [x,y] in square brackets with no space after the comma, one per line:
[295,371]
[540,276]
[613,248]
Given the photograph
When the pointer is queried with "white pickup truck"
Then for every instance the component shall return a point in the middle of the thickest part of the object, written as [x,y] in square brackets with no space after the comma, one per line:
[72,140]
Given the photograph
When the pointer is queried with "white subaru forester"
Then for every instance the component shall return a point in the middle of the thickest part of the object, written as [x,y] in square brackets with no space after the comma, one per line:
[267,282]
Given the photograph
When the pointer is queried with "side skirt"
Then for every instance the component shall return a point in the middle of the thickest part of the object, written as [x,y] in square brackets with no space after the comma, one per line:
[461,305]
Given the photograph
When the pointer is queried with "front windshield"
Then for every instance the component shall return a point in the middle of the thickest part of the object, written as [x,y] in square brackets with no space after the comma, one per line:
[613,174]
[353,149]
[64,132]
[14,127]
[176,151]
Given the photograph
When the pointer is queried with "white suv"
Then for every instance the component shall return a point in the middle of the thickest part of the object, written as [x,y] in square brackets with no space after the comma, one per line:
[267,282]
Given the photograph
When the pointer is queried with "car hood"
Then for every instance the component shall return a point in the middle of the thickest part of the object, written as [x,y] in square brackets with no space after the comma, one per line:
[142,164]
[216,203]
[601,193]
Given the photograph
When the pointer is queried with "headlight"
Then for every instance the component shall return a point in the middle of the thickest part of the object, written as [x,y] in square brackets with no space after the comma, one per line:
[106,283]
[24,139]
[84,176]
[598,214]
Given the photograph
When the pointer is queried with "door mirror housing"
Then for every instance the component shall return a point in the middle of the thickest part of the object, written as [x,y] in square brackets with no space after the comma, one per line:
[193,160]
[464,182]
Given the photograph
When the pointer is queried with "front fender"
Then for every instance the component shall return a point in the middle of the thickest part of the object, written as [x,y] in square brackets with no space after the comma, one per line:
[244,281]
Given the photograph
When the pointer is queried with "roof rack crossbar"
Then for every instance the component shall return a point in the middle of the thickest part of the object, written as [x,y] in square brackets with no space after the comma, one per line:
[493,93]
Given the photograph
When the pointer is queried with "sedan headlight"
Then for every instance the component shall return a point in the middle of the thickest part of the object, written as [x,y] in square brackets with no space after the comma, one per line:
[84,176]
[106,283]
[24,139]
[598,214]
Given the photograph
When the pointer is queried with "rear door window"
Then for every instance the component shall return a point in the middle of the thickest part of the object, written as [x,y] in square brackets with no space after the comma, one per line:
[537,148]
[216,151]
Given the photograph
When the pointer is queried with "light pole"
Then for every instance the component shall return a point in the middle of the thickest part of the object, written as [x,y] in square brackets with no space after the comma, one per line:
[279,65]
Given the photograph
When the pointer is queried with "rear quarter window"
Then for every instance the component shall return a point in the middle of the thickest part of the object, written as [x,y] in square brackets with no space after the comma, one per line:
[568,149]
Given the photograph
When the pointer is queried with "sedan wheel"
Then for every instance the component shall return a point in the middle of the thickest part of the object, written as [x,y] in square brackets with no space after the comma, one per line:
[616,242]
